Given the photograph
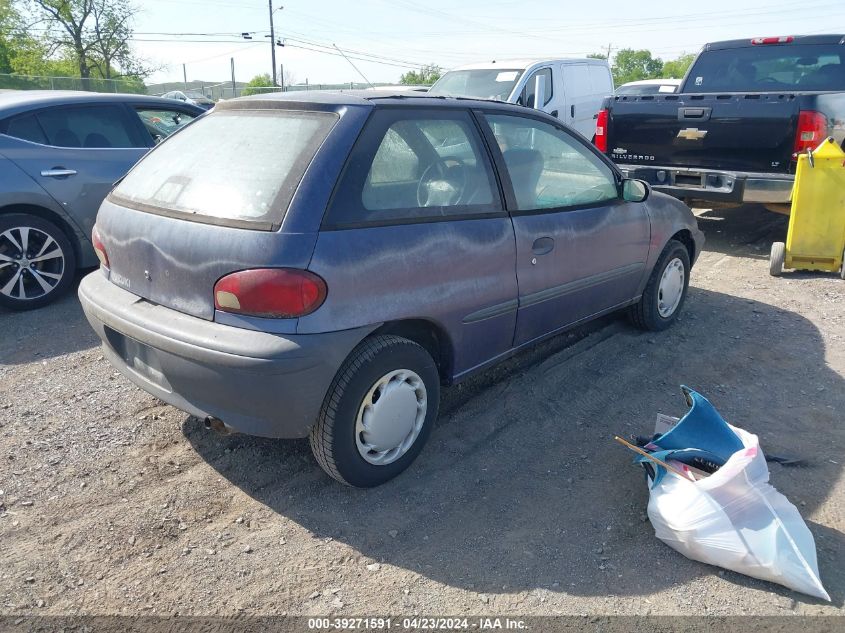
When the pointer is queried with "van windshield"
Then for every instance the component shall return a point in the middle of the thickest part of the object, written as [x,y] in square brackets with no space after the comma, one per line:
[238,167]
[482,83]
[769,68]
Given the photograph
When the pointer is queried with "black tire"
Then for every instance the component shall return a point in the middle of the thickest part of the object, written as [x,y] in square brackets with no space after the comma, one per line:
[333,437]
[776,259]
[61,270]
[645,314]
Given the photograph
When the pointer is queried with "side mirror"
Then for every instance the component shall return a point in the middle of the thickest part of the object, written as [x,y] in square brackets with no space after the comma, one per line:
[635,190]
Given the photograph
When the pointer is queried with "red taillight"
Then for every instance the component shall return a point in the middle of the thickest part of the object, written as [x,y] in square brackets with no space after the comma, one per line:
[278,293]
[601,130]
[812,130]
[99,248]
[786,39]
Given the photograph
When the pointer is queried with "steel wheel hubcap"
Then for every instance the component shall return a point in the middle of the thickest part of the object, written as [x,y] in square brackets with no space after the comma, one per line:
[391,417]
[31,263]
[671,288]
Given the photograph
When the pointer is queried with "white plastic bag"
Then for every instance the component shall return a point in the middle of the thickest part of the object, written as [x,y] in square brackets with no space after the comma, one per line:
[736,520]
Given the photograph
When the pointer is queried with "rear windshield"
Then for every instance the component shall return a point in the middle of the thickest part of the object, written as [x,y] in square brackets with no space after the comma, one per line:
[769,68]
[236,167]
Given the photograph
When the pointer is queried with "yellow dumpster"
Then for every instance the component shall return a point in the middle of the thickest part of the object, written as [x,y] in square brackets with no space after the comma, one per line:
[816,236]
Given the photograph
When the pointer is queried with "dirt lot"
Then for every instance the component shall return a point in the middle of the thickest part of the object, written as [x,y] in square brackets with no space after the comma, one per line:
[521,503]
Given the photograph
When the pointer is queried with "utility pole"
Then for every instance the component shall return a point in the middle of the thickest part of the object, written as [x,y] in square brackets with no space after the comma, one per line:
[282,76]
[608,52]
[272,41]
[234,89]
[184,76]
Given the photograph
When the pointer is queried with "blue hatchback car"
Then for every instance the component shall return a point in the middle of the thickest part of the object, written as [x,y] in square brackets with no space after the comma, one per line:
[319,264]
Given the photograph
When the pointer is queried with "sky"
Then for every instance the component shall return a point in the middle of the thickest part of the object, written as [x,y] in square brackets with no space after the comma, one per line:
[385,38]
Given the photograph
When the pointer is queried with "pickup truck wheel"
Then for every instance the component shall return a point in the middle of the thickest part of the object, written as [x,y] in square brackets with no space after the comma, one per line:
[37,262]
[665,291]
[378,412]
[776,259]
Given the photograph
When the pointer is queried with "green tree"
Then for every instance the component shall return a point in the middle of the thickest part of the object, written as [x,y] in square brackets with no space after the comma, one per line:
[597,56]
[94,34]
[631,65]
[426,76]
[677,68]
[259,81]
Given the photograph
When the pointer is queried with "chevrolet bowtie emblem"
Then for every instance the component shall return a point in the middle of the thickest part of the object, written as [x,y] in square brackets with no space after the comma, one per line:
[692,134]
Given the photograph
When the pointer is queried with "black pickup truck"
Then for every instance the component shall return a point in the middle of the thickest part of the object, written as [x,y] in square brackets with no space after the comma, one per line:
[732,132]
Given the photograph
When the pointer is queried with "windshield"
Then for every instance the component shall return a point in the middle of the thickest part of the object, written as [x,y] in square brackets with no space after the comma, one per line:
[769,68]
[238,166]
[196,95]
[486,83]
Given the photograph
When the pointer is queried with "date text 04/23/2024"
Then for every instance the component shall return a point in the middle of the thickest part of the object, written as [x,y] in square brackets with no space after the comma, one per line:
[417,624]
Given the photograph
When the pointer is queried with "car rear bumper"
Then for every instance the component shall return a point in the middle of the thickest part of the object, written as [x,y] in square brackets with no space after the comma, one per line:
[716,185]
[257,383]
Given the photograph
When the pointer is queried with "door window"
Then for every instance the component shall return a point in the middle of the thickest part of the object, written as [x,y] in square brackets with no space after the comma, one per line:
[415,165]
[162,123]
[549,168]
[86,126]
[26,127]
[527,96]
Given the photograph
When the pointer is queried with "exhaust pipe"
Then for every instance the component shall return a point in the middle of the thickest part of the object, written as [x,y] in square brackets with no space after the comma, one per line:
[215,424]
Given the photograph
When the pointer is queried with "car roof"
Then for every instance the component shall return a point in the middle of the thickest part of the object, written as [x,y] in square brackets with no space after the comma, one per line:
[366,98]
[525,63]
[23,100]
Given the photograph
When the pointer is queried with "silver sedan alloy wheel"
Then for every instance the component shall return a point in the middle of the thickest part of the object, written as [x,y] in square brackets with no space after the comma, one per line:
[671,288]
[391,417]
[31,263]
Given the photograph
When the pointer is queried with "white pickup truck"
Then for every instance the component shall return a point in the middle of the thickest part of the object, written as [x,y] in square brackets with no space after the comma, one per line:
[572,89]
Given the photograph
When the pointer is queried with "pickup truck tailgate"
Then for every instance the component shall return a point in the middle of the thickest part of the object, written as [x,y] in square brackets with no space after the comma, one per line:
[744,132]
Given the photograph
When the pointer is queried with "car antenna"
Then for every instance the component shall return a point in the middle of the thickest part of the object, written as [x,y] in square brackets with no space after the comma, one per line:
[353,66]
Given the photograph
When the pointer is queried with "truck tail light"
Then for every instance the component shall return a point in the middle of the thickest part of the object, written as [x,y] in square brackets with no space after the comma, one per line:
[99,248]
[812,129]
[601,130]
[786,39]
[278,293]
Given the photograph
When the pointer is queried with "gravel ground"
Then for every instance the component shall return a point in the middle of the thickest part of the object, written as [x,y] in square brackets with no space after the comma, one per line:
[113,503]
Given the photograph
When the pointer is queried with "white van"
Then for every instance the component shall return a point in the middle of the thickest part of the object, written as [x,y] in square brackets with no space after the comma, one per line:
[573,88]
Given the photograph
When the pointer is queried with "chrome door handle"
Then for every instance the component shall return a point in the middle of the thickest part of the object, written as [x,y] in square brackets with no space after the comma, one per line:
[57,172]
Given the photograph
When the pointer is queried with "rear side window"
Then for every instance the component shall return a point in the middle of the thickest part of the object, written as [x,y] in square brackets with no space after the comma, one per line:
[26,127]
[769,68]
[83,126]
[231,167]
[90,126]
[414,165]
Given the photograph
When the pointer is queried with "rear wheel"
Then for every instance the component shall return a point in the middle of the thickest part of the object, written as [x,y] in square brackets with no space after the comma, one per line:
[37,262]
[665,291]
[378,412]
[776,259]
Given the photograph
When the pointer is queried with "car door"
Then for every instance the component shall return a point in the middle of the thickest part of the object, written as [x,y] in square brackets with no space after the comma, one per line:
[417,230]
[578,89]
[76,153]
[581,249]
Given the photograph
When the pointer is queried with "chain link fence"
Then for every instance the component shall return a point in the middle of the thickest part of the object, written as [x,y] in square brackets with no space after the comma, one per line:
[223,90]
[39,82]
